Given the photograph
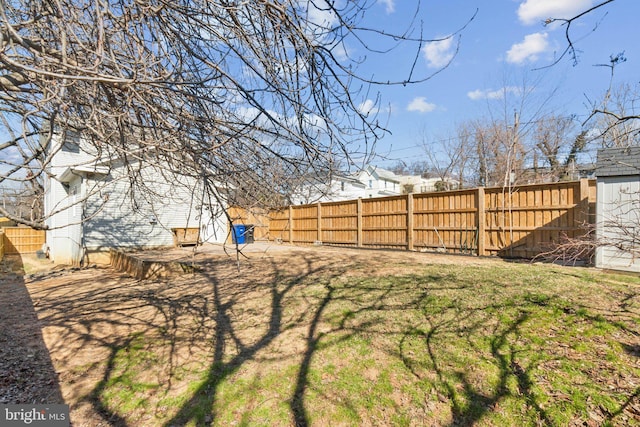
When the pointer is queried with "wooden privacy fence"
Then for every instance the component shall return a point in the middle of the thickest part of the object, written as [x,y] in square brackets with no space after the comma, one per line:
[21,240]
[521,222]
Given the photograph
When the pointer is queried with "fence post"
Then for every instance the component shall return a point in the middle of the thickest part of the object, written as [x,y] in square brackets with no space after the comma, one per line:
[290,224]
[359,224]
[1,245]
[583,215]
[319,207]
[410,222]
[481,221]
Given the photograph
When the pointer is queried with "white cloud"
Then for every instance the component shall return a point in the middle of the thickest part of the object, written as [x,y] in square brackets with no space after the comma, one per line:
[534,11]
[390,6]
[478,94]
[532,45]
[319,13]
[368,107]
[421,105]
[439,53]
[340,51]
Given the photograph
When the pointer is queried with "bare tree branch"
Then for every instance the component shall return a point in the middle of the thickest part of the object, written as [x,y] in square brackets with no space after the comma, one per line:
[247,95]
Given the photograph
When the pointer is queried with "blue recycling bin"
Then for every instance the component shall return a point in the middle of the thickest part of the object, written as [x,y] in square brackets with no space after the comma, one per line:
[239,233]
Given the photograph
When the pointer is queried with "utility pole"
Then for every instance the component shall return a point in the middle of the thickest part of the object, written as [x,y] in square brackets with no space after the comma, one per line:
[509,175]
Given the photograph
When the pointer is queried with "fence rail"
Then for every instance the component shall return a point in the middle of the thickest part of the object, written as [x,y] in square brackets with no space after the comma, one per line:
[517,222]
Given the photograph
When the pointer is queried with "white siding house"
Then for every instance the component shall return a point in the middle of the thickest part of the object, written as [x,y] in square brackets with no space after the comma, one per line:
[618,209]
[379,182]
[339,187]
[371,181]
[91,207]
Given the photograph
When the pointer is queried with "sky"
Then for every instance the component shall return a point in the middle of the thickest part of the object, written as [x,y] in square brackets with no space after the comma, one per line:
[504,46]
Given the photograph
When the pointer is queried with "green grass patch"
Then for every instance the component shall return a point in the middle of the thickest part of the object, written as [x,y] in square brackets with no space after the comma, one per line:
[495,344]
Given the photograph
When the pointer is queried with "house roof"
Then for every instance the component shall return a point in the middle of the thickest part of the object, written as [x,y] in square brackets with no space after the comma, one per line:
[618,161]
[68,174]
[350,179]
[384,174]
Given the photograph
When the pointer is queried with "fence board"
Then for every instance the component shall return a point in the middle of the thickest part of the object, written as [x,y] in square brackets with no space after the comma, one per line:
[384,222]
[279,224]
[22,240]
[339,223]
[523,222]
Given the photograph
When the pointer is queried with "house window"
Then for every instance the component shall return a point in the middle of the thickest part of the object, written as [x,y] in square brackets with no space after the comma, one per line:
[71,142]
[385,184]
[342,186]
[370,183]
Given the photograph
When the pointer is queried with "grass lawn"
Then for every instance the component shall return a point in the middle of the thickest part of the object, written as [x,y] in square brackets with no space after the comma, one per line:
[339,337]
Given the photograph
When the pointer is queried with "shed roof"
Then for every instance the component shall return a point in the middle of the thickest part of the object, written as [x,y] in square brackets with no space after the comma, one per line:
[618,161]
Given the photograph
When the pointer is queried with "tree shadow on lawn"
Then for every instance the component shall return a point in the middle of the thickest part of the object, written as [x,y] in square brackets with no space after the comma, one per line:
[204,314]
[119,316]
[517,365]
[504,358]
[221,366]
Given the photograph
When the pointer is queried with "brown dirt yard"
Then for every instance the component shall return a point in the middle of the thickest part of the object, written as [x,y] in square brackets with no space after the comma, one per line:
[273,341]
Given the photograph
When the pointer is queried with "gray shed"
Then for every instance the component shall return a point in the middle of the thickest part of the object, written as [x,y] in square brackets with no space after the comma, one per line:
[618,209]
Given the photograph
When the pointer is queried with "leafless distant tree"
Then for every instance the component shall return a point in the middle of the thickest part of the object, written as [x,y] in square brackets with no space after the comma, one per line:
[241,95]
[22,202]
[556,147]
[451,158]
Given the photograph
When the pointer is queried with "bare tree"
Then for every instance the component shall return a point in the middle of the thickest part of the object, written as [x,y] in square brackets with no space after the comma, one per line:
[450,158]
[556,148]
[240,96]
[21,202]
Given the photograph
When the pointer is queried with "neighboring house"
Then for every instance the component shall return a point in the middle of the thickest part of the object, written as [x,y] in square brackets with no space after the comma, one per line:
[91,206]
[338,187]
[428,185]
[618,209]
[379,182]
[382,182]
[371,181]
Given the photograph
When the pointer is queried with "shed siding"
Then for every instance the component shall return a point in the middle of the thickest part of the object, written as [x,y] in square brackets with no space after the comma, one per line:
[115,219]
[618,217]
[110,216]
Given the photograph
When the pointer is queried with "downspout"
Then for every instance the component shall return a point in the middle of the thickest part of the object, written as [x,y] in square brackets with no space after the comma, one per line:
[83,206]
